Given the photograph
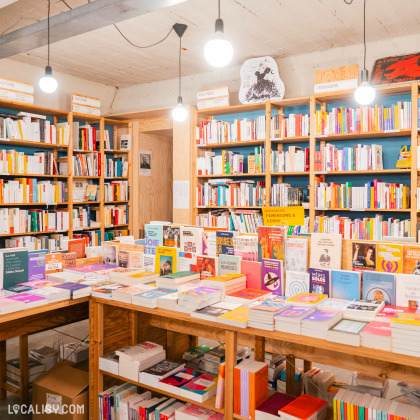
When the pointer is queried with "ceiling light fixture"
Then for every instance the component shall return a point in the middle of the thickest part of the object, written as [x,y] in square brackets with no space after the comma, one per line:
[47,83]
[218,51]
[365,93]
[179,113]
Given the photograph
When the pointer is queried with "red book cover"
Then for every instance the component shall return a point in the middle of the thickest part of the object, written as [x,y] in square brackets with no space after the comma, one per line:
[94,137]
[303,407]
[77,246]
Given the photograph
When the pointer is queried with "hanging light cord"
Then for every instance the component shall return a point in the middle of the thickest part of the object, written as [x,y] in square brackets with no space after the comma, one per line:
[48,32]
[131,43]
[179,64]
[364,34]
[219,8]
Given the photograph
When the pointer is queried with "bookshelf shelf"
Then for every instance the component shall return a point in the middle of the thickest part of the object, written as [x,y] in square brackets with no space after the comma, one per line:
[33,204]
[36,144]
[232,175]
[35,175]
[86,228]
[116,151]
[86,177]
[356,210]
[84,203]
[114,202]
[237,109]
[232,144]
[231,207]
[374,173]
[107,178]
[365,135]
[85,151]
[116,226]
[290,173]
[210,403]
[45,232]
[294,139]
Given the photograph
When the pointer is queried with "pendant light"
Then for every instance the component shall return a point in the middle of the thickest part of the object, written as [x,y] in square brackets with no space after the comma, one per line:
[218,51]
[365,93]
[179,113]
[47,83]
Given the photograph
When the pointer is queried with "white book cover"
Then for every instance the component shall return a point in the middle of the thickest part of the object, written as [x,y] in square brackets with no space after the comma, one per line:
[296,251]
[296,282]
[326,249]
[407,290]
[191,239]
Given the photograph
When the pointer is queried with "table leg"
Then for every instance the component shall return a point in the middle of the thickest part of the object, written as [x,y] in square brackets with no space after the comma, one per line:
[24,368]
[290,375]
[230,363]
[3,393]
[259,349]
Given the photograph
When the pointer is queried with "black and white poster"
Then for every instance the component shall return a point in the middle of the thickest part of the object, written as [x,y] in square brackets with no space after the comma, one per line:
[145,163]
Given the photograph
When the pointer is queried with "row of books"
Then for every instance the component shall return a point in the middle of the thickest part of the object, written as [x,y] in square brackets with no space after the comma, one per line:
[116,191]
[240,221]
[230,193]
[292,125]
[84,137]
[111,235]
[51,243]
[282,195]
[227,163]
[295,159]
[116,167]
[36,128]
[357,158]
[214,131]
[14,162]
[116,215]
[15,220]
[30,190]
[364,119]
[370,228]
[86,164]
[83,217]
[373,195]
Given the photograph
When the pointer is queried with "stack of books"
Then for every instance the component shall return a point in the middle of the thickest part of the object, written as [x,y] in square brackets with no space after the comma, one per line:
[149,298]
[194,412]
[154,374]
[363,310]
[197,298]
[126,294]
[276,364]
[52,294]
[304,407]
[346,331]
[136,358]
[109,363]
[76,290]
[212,312]
[237,317]
[405,331]
[75,352]
[289,320]
[45,355]
[316,382]
[174,382]
[269,409]
[319,322]
[172,281]
[368,384]
[200,389]
[105,291]
[226,283]
[376,335]
[261,313]
[196,352]
[35,368]
[247,296]
[281,382]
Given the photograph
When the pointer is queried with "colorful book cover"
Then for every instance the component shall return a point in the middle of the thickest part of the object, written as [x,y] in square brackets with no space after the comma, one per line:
[321,316]
[207,266]
[187,261]
[198,292]
[272,276]
[390,258]
[364,256]
[307,299]
[171,236]
[390,311]
[294,312]
[123,259]
[202,384]
[73,287]
[192,240]
[229,264]
[270,304]
[165,260]
[36,264]
[153,238]
[270,243]
[181,378]
[209,243]
[154,294]
[237,315]
[345,284]
[39,284]
[77,246]
[408,290]
[252,271]
[216,310]
[375,328]
[296,282]
[249,294]
[411,259]
[27,298]
[379,286]
[319,281]
[69,260]
[91,268]
[296,254]
[15,267]
[326,249]
[110,254]
[224,242]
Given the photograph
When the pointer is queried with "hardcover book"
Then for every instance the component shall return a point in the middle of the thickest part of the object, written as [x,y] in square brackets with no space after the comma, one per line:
[270,243]
[207,266]
[319,281]
[165,260]
[209,243]
[36,264]
[14,267]
[364,256]
[77,246]
[379,286]
[224,242]
[153,238]
[252,271]
[345,284]
[229,264]
[326,250]
[411,259]
[296,282]
[192,240]
[171,235]
[408,290]
[296,254]
[272,276]
[390,258]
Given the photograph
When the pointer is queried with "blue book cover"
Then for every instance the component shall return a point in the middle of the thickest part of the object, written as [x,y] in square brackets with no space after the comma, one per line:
[319,281]
[379,286]
[229,264]
[345,284]
[36,265]
[153,238]
[224,242]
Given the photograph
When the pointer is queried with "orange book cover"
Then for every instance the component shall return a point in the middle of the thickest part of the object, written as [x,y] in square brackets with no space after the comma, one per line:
[53,263]
[411,259]
[77,246]
[258,391]
[237,391]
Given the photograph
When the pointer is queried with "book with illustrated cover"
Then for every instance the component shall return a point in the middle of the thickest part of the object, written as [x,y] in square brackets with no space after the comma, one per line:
[309,299]
[191,239]
[171,235]
[224,242]
[53,263]
[390,311]
[345,284]
[364,256]
[14,262]
[390,258]
[364,310]
[296,254]
[196,352]
[411,259]
[408,290]
[77,246]
[165,260]
[209,244]
[69,260]
[163,368]
[247,294]
[174,382]
[229,264]
[237,317]
[379,286]
[272,276]
[187,261]
[296,282]
[304,407]
[319,281]
[36,264]
[200,389]
[91,268]
[270,243]
[210,313]
[207,266]
[153,238]
[326,249]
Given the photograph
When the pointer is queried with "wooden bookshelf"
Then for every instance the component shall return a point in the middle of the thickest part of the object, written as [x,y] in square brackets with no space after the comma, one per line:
[66,155]
[313,103]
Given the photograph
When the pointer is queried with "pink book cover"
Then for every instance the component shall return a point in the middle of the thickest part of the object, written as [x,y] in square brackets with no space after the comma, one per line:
[389,311]
[382,329]
[39,284]
[252,270]
[27,298]
[92,268]
[202,384]
[4,302]
[249,293]
[194,410]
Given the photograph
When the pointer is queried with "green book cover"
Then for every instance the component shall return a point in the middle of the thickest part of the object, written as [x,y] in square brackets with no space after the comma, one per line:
[179,274]
[15,268]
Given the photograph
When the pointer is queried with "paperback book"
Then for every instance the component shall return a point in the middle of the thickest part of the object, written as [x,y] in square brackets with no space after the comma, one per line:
[192,240]
[364,256]
[296,254]
[165,260]
[209,243]
[270,243]
[379,286]
[229,264]
[252,271]
[14,267]
[171,235]
[272,276]
[326,250]
[390,258]
[224,242]
[319,281]
[207,266]
[36,264]
[408,290]
[153,238]
[345,284]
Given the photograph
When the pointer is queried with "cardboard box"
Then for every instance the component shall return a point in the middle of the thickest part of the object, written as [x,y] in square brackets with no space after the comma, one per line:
[65,388]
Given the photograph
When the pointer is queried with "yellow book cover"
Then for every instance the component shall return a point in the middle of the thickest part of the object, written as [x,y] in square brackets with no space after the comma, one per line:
[310,299]
[390,258]
[397,120]
[9,164]
[405,318]
[20,129]
[225,277]
[25,164]
[239,314]
[372,197]
[165,260]
[24,182]
[57,198]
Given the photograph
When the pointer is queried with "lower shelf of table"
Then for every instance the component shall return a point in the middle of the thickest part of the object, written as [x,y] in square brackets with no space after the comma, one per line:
[209,404]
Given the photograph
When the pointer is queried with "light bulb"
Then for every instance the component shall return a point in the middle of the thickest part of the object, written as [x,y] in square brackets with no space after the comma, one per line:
[218,51]
[364,94]
[47,83]
[179,113]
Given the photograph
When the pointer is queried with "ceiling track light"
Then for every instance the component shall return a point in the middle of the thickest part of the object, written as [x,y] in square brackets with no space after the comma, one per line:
[218,51]
[365,93]
[48,83]
[179,113]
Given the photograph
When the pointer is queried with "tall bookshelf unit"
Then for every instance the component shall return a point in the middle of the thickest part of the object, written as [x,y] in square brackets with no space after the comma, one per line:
[65,153]
[310,105]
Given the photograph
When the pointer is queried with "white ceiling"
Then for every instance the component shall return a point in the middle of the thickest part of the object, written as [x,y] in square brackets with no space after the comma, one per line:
[255,27]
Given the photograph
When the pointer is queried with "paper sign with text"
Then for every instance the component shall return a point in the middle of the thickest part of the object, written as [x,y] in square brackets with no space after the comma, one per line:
[293,216]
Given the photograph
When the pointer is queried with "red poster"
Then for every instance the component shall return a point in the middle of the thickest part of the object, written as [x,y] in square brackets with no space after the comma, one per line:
[402,68]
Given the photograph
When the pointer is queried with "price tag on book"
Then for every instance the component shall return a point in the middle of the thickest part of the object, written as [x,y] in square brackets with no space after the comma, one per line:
[293,216]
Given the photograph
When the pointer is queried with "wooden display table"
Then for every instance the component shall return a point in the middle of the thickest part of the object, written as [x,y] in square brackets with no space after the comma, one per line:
[178,332]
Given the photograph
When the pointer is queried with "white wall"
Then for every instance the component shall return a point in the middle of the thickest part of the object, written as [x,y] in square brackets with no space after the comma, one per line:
[297,72]
[67,85]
